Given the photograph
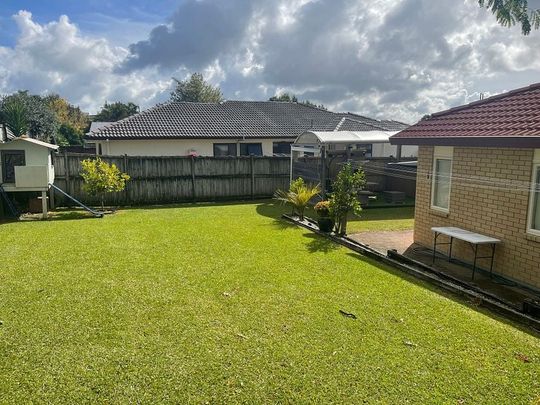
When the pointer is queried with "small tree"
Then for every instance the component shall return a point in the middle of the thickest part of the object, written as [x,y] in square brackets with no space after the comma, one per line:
[344,198]
[100,178]
[299,195]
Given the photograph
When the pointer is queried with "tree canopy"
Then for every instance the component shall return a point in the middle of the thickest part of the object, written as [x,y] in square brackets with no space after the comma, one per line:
[514,12]
[73,122]
[196,89]
[291,98]
[111,112]
[29,113]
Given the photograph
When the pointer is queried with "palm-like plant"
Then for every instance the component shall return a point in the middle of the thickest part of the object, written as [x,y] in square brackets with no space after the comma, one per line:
[299,195]
[14,115]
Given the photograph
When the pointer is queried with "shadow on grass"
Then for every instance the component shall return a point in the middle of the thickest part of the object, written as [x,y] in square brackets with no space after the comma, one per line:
[70,215]
[320,244]
[468,303]
[271,209]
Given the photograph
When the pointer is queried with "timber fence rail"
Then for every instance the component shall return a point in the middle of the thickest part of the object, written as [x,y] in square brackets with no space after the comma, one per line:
[164,179]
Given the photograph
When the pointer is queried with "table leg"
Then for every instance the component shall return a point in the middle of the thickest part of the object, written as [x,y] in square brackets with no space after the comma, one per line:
[434,247]
[450,249]
[493,246]
[474,263]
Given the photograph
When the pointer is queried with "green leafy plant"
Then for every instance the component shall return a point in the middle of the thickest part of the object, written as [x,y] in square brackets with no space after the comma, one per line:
[322,208]
[15,117]
[299,195]
[101,177]
[344,199]
[512,12]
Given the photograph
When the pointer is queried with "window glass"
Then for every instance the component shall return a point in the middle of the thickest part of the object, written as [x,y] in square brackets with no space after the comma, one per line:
[282,148]
[535,220]
[224,149]
[367,148]
[441,185]
[10,159]
[248,149]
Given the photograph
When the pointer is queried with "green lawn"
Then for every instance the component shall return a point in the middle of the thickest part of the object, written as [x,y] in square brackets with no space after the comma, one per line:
[378,219]
[227,304]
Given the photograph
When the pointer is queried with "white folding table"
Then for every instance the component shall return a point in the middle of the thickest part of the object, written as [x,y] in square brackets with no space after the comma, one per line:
[473,239]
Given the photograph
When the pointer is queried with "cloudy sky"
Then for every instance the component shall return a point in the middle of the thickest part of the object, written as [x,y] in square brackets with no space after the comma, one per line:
[396,59]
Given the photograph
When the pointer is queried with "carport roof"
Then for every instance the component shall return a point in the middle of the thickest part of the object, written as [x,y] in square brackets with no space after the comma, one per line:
[343,137]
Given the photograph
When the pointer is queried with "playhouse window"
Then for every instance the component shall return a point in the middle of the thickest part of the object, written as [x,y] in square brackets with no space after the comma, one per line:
[10,159]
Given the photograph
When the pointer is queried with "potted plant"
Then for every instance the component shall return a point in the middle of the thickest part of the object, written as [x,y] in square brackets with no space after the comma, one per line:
[325,220]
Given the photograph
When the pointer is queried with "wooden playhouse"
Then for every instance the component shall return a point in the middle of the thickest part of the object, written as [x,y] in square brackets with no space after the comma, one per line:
[26,166]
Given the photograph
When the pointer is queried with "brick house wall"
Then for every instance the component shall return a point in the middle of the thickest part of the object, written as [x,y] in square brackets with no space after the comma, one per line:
[488,195]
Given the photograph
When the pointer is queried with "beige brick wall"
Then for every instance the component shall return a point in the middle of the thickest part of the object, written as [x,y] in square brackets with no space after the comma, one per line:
[488,196]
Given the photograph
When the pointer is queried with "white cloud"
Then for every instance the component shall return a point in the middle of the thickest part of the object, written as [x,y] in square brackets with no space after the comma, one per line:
[396,59]
[57,58]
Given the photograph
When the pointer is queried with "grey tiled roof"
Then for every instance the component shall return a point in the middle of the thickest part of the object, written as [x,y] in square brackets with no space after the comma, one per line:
[233,119]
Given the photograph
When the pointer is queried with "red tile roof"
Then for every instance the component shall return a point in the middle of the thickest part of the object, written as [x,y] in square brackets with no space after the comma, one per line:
[509,119]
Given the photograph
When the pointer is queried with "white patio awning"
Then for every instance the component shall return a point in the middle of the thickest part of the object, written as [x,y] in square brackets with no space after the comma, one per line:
[343,137]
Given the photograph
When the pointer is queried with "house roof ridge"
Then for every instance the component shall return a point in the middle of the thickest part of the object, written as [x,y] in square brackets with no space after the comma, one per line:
[144,112]
[488,100]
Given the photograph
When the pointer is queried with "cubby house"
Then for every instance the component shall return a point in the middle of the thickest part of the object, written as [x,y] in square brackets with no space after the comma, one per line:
[26,166]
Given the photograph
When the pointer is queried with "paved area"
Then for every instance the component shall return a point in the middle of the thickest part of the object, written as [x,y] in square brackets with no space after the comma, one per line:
[506,290]
[387,240]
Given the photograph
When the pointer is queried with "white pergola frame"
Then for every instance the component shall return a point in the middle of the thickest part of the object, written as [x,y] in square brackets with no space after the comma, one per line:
[317,142]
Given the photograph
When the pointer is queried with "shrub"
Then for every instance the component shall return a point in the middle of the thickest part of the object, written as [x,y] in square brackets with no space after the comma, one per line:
[344,198]
[101,177]
[299,195]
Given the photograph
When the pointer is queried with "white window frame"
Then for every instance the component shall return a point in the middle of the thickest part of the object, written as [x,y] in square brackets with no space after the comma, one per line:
[441,153]
[534,181]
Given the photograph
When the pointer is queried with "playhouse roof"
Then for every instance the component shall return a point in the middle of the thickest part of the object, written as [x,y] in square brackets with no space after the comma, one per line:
[35,142]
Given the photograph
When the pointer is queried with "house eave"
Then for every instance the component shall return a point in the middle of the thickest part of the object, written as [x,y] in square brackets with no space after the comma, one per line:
[477,141]
[190,138]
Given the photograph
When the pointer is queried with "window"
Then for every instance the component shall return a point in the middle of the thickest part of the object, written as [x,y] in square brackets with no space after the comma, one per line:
[534,204]
[248,149]
[10,159]
[224,149]
[441,179]
[282,148]
[366,148]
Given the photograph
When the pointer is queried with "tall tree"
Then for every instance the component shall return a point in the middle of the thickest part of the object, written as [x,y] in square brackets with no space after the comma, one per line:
[512,12]
[73,122]
[67,113]
[196,89]
[111,112]
[40,120]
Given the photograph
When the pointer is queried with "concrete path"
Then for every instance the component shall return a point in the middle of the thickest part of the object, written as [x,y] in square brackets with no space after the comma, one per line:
[383,241]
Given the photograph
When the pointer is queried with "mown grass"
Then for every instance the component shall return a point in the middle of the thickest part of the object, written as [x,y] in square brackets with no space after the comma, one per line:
[228,304]
[378,219]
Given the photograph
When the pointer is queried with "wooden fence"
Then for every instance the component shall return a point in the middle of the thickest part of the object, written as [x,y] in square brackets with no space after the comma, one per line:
[158,180]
